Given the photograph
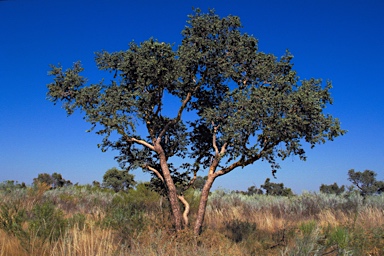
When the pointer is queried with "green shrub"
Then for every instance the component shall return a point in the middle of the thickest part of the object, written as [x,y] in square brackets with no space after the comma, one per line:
[78,220]
[339,237]
[12,218]
[126,217]
[47,222]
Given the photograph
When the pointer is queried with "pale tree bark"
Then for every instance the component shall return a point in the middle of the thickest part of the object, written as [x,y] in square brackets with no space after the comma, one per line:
[208,184]
[203,203]
[171,188]
[186,210]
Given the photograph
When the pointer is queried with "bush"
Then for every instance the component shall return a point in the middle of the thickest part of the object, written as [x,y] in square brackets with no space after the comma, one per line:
[47,222]
[126,217]
[12,219]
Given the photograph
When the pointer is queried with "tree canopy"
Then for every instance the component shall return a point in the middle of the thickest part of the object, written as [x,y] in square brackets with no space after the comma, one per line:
[118,180]
[276,189]
[332,189]
[55,180]
[366,182]
[232,106]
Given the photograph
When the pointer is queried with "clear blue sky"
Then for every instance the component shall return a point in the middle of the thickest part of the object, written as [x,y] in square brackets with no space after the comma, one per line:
[342,41]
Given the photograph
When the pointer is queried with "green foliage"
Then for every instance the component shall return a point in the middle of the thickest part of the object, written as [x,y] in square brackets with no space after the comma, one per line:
[199,182]
[77,220]
[126,217]
[43,178]
[332,189]
[59,181]
[96,184]
[276,189]
[253,190]
[55,180]
[12,219]
[118,180]
[307,243]
[366,182]
[47,222]
[10,185]
[340,237]
[308,228]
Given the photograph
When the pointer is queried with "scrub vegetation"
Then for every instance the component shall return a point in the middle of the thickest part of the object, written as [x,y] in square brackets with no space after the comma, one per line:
[94,220]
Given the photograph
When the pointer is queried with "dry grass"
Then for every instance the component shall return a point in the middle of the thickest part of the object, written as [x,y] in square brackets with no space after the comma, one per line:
[234,225]
[92,241]
[10,245]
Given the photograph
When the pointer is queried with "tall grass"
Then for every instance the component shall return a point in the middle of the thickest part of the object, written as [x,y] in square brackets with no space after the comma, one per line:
[85,220]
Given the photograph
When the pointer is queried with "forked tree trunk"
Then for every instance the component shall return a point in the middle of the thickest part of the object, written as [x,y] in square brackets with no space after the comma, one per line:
[203,204]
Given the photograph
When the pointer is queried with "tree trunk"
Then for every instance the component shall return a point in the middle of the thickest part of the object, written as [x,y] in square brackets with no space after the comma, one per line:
[203,203]
[171,190]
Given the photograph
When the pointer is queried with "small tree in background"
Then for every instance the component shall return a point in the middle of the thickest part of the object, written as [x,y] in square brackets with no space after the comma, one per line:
[276,189]
[366,182]
[59,181]
[96,184]
[118,180]
[9,185]
[332,189]
[253,190]
[199,182]
[55,180]
[43,178]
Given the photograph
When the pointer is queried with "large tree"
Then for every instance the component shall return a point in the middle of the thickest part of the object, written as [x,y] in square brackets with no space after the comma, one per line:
[215,102]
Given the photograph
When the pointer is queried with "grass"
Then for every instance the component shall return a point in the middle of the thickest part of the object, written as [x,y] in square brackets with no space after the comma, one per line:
[84,220]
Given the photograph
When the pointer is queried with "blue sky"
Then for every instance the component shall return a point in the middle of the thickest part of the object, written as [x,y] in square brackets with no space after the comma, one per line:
[342,41]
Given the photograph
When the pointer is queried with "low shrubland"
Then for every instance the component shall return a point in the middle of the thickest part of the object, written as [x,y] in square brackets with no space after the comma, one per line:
[87,220]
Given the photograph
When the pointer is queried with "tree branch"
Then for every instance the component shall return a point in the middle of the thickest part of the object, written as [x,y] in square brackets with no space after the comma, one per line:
[156,172]
[130,139]
[242,162]
[178,117]
[214,138]
[142,142]
[186,209]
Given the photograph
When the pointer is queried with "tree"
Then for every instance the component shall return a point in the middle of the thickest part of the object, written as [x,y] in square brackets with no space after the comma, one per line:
[59,181]
[232,106]
[332,189]
[276,189]
[43,178]
[199,182]
[366,182]
[9,185]
[118,180]
[96,184]
[55,180]
[253,190]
